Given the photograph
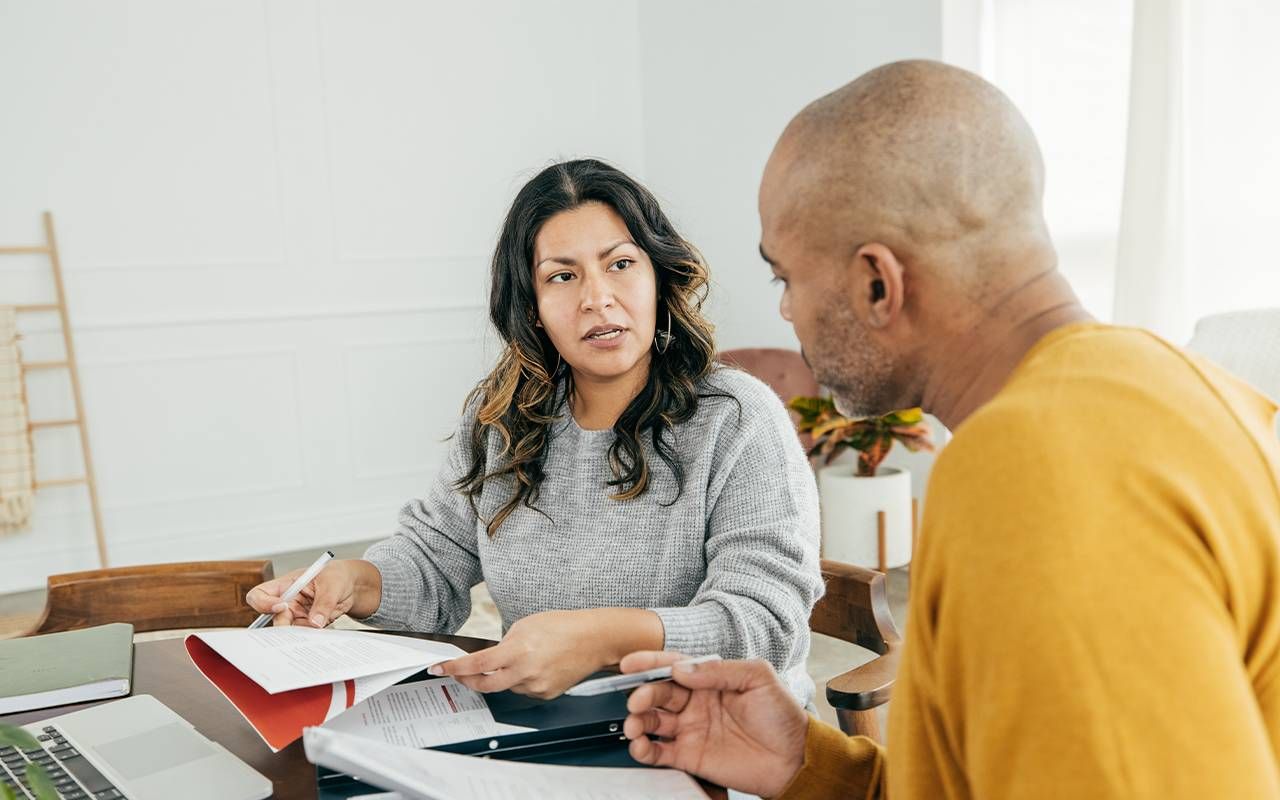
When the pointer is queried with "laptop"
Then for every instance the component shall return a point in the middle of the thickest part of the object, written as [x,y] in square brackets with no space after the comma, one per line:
[136,748]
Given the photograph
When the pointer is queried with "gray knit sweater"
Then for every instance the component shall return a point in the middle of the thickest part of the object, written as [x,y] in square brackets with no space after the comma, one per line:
[730,566]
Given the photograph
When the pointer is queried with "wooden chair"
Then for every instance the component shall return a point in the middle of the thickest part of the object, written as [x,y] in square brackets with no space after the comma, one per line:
[855,609]
[200,594]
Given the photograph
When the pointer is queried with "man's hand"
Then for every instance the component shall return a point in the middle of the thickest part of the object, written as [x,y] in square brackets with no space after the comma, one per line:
[730,722]
[544,654]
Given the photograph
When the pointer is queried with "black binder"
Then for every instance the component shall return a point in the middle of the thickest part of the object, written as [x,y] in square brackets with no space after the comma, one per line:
[580,731]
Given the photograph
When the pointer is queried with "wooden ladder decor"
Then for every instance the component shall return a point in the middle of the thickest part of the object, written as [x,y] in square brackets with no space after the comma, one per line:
[50,248]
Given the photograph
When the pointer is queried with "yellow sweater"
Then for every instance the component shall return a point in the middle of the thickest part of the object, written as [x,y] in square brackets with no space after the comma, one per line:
[1095,607]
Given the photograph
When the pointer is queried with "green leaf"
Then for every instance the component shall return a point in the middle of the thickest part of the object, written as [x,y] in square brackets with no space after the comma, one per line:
[863,438]
[16,737]
[40,783]
[872,437]
[36,776]
[812,409]
[834,427]
[806,405]
[907,416]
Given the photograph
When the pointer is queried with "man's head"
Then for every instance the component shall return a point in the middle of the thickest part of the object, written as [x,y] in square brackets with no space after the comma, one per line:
[899,209]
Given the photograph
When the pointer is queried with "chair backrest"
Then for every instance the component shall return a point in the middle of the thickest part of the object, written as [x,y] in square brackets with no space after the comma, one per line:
[784,370]
[855,609]
[1244,343]
[203,594]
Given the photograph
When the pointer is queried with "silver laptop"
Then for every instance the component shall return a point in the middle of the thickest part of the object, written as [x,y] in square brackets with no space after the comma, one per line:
[135,748]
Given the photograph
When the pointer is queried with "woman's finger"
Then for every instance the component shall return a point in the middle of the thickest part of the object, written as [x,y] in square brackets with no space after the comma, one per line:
[283,617]
[266,594]
[263,596]
[491,659]
[499,681]
[649,659]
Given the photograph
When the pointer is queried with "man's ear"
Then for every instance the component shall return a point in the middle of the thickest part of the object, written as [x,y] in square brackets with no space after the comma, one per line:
[878,283]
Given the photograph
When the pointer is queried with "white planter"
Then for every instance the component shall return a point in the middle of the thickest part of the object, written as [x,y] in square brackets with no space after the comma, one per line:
[849,513]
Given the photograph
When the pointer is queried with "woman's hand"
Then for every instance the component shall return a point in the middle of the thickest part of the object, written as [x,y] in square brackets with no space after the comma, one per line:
[544,654]
[343,586]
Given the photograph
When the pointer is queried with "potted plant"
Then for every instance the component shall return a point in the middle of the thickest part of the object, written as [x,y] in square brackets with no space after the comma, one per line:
[857,502]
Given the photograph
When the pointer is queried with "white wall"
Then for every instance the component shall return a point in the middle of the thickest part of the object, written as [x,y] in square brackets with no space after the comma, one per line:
[276,219]
[721,80]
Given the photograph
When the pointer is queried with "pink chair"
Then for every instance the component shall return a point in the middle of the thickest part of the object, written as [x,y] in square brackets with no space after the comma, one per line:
[784,370]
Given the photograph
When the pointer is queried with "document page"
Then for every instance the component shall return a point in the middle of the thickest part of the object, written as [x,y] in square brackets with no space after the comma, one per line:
[275,658]
[432,775]
[420,714]
[283,659]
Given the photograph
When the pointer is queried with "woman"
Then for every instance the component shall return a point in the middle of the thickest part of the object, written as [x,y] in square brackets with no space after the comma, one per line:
[615,487]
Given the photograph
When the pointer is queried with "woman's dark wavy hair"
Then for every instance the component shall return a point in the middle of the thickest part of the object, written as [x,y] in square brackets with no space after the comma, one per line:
[518,401]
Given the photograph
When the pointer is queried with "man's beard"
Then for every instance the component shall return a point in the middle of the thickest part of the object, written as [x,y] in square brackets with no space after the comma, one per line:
[858,372]
[859,401]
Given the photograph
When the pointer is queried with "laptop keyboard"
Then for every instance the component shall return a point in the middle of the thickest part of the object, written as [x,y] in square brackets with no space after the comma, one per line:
[71,773]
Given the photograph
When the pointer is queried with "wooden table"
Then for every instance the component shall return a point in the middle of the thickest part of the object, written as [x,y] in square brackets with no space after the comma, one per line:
[163,670]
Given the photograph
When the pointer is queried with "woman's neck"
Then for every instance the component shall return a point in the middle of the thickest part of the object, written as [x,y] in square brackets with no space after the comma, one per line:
[597,402]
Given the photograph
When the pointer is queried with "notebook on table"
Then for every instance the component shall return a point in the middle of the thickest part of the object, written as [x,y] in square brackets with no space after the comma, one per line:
[56,669]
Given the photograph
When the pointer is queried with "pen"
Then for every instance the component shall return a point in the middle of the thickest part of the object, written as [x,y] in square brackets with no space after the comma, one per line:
[621,683]
[297,586]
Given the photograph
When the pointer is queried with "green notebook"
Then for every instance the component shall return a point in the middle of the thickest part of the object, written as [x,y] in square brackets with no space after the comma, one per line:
[60,668]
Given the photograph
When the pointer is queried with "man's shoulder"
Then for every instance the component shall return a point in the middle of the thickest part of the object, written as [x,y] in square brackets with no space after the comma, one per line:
[1064,418]
[1092,427]
[1080,393]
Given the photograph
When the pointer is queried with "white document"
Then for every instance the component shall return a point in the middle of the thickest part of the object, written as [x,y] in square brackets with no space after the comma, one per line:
[282,659]
[432,775]
[420,714]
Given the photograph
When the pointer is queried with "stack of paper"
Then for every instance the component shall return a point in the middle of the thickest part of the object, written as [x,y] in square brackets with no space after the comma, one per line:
[433,775]
[422,714]
[282,680]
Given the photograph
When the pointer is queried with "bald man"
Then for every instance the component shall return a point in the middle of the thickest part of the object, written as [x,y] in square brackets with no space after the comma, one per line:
[1095,605]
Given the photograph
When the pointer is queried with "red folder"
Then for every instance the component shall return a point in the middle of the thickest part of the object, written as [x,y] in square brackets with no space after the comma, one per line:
[278,718]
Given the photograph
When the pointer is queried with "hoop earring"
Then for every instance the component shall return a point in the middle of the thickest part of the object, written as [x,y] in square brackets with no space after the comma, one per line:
[662,339]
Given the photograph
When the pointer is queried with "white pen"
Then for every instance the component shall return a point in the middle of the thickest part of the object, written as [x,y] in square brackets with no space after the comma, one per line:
[621,683]
[297,586]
